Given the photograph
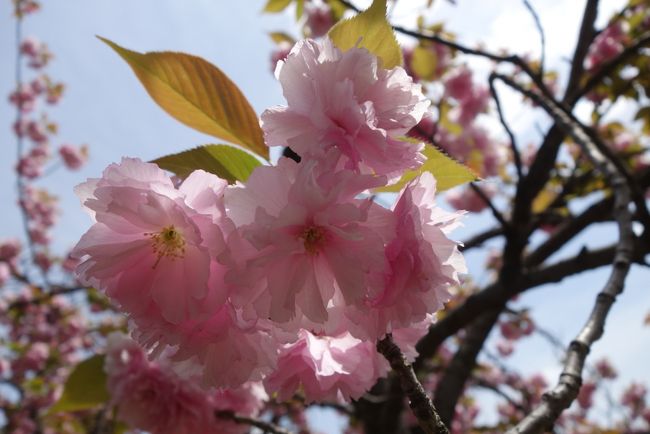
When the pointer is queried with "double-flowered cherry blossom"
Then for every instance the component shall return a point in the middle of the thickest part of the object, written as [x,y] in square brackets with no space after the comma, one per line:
[289,277]
[153,397]
[346,101]
[422,263]
[309,239]
[153,247]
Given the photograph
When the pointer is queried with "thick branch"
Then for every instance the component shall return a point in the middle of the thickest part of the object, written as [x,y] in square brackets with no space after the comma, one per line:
[419,402]
[452,384]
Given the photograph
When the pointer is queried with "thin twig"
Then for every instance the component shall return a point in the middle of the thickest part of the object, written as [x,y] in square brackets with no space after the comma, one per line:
[245,420]
[542,36]
[419,402]
[478,239]
[54,291]
[513,143]
[495,212]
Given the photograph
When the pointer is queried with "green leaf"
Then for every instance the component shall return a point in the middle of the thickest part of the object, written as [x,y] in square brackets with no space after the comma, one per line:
[447,171]
[369,30]
[225,161]
[280,37]
[198,94]
[85,388]
[274,6]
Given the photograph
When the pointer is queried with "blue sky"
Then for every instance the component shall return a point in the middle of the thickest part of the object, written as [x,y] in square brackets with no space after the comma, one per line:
[105,107]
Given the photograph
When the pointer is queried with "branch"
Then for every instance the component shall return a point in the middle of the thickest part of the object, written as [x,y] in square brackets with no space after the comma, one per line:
[56,290]
[585,38]
[513,143]
[607,69]
[571,227]
[542,36]
[495,212]
[419,402]
[561,397]
[244,420]
[452,384]
[493,296]
[478,239]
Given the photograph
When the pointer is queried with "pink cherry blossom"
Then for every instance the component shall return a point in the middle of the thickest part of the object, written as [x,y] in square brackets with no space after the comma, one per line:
[467,199]
[153,247]
[150,397]
[607,45]
[73,157]
[326,368]
[423,261]
[5,273]
[346,101]
[224,350]
[280,53]
[458,84]
[9,249]
[246,400]
[30,46]
[308,237]
[319,19]
[605,369]
[586,395]
[24,98]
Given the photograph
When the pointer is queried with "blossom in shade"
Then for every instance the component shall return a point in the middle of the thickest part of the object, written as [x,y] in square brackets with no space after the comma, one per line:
[319,19]
[308,239]
[246,400]
[224,350]
[607,45]
[467,199]
[422,262]
[326,368]
[153,247]
[346,101]
[9,249]
[150,397]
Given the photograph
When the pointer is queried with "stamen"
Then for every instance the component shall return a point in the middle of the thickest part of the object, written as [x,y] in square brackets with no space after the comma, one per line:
[312,238]
[167,243]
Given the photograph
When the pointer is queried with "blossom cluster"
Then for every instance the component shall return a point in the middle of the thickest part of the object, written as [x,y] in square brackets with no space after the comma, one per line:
[291,276]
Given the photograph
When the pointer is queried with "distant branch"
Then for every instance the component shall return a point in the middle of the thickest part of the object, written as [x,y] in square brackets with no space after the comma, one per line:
[542,36]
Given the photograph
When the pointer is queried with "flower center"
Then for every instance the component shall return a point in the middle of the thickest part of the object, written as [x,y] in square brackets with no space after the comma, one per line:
[312,238]
[167,243]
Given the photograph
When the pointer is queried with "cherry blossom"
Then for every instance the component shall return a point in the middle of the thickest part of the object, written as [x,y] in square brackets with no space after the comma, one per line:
[153,247]
[346,101]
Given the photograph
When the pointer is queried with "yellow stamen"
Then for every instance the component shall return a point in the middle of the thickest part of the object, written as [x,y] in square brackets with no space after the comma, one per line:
[168,243]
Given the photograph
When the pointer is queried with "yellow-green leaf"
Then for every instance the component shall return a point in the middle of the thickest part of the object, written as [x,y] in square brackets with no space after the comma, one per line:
[300,8]
[225,161]
[198,94]
[280,37]
[275,6]
[424,62]
[369,29]
[85,387]
[447,171]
